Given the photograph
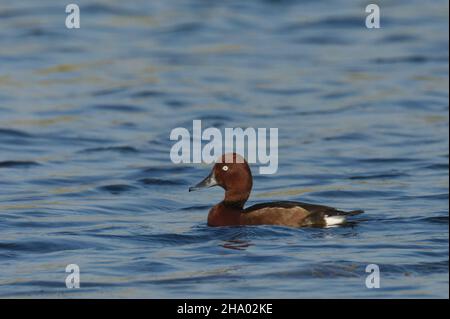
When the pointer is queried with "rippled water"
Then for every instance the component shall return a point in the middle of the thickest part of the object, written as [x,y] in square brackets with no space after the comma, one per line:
[85,174]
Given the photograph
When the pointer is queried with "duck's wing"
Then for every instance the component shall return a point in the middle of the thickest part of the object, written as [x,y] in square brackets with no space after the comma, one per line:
[312,208]
[318,214]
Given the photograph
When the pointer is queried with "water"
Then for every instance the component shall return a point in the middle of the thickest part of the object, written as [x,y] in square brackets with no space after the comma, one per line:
[85,175]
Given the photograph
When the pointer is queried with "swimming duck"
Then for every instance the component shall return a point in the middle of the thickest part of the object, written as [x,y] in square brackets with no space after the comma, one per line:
[233,174]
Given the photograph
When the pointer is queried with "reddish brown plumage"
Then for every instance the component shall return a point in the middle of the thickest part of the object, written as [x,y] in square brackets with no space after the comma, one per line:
[233,174]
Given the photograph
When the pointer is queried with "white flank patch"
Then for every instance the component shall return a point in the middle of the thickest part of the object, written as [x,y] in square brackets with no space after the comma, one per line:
[334,220]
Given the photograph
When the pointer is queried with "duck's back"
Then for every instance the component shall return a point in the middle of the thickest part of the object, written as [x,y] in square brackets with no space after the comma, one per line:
[297,214]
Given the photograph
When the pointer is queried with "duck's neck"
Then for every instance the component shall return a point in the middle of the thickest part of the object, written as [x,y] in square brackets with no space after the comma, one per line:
[236,199]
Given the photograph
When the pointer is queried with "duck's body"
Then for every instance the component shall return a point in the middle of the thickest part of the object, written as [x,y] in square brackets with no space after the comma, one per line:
[284,213]
[303,214]
[233,174]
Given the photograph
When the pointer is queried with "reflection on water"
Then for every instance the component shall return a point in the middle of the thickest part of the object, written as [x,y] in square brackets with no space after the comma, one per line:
[85,175]
[237,242]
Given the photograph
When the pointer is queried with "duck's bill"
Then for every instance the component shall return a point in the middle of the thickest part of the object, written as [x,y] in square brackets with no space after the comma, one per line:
[209,181]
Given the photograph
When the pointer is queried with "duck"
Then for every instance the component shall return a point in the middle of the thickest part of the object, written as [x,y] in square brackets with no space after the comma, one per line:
[232,172]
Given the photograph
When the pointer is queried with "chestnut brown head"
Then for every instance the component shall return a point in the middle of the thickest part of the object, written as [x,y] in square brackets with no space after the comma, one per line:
[233,174]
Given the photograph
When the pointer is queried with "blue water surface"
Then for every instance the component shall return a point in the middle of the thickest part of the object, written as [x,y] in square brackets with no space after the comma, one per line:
[85,172]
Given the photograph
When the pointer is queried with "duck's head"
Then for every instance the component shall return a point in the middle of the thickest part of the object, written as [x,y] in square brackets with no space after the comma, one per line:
[233,174]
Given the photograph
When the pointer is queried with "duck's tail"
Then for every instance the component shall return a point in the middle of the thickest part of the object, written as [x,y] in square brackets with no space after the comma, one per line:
[353,212]
[340,217]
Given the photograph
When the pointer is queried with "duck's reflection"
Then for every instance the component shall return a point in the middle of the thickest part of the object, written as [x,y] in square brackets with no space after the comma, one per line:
[236,244]
[240,241]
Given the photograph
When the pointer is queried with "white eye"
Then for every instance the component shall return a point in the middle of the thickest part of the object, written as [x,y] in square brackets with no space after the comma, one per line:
[225,168]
